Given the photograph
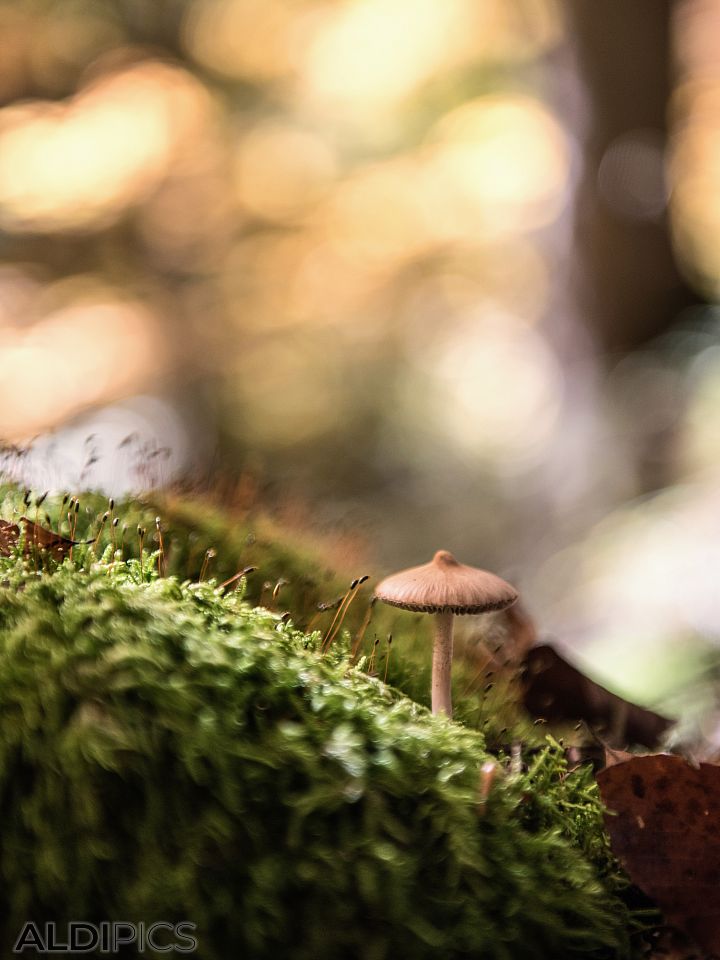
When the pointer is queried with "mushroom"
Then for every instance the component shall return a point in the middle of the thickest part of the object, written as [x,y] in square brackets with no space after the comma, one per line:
[445,587]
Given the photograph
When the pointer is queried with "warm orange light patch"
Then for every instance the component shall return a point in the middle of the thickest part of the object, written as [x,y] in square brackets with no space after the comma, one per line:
[79,164]
[246,39]
[281,170]
[499,164]
[362,59]
[86,353]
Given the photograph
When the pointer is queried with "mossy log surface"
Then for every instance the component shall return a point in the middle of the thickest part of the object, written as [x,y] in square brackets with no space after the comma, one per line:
[170,751]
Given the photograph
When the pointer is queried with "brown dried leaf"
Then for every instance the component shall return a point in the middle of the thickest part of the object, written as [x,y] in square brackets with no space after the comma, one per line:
[665,829]
[9,536]
[668,943]
[613,757]
[557,691]
[55,544]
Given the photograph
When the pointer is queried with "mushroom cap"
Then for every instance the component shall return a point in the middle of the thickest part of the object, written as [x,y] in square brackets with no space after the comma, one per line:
[446,586]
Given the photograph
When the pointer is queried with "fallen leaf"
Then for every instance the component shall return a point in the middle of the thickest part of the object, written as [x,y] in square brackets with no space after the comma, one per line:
[55,544]
[664,826]
[9,536]
[613,757]
[668,943]
[556,691]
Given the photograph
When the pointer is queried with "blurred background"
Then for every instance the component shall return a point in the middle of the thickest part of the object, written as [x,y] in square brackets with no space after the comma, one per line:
[444,272]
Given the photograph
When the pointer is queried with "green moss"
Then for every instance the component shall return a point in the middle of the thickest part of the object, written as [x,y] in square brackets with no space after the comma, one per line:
[192,525]
[167,752]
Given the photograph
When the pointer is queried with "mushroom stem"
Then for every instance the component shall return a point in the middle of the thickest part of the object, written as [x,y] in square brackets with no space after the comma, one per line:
[442,664]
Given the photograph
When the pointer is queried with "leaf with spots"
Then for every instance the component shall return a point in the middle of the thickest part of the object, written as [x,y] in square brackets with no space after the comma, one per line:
[9,536]
[664,826]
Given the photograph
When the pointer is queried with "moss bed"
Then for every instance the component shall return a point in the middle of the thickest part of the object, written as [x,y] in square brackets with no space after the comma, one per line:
[169,751]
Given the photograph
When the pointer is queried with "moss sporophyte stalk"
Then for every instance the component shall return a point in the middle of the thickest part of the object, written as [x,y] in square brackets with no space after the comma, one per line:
[169,750]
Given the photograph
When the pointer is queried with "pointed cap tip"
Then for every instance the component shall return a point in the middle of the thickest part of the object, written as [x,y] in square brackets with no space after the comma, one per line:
[446,558]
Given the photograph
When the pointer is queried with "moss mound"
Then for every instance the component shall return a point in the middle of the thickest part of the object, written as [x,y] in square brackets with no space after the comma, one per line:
[193,524]
[167,752]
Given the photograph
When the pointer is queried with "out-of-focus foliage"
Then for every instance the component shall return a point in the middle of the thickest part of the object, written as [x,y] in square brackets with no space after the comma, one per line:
[167,751]
[299,225]
[332,241]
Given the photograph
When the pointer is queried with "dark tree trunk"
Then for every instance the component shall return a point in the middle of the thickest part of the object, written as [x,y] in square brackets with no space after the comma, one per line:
[629,288]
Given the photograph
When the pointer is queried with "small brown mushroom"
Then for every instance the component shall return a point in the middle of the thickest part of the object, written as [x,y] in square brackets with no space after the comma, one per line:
[445,587]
